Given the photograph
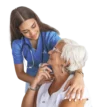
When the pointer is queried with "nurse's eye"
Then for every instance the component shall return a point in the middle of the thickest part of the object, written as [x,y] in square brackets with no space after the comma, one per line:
[25,32]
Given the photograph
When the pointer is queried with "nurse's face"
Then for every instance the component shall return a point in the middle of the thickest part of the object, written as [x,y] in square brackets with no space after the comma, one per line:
[30,29]
[55,56]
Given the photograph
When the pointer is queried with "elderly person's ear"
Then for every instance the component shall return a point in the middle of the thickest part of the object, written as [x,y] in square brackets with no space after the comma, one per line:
[66,63]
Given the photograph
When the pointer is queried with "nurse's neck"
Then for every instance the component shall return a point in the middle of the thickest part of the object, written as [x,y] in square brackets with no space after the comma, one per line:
[34,43]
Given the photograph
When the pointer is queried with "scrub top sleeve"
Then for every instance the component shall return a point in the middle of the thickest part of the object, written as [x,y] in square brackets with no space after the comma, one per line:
[54,38]
[17,53]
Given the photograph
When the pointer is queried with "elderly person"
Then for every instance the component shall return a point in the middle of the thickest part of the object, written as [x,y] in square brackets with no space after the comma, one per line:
[66,57]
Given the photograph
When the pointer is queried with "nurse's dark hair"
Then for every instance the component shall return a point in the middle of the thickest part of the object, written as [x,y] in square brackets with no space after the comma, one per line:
[21,14]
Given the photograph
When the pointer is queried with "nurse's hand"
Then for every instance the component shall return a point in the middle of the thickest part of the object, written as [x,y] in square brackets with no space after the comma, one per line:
[43,74]
[76,88]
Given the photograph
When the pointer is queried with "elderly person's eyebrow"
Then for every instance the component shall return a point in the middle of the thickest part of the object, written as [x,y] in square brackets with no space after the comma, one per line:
[56,49]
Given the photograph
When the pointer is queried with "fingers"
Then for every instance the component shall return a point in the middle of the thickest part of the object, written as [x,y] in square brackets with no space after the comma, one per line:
[81,94]
[44,75]
[75,93]
[77,96]
[72,94]
[47,75]
[47,69]
[44,71]
[43,64]
[44,67]
[69,92]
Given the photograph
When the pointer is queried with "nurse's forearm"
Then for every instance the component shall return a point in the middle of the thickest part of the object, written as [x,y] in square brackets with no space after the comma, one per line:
[79,72]
[25,77]
[29,99]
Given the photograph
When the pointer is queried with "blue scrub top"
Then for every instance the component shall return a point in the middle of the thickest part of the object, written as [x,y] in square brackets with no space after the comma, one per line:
[21,49]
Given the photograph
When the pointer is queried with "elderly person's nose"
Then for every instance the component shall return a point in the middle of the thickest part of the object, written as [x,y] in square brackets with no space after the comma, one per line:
[50,52]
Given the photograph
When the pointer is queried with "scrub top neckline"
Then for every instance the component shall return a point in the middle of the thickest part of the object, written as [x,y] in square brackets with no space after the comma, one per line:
[38,43]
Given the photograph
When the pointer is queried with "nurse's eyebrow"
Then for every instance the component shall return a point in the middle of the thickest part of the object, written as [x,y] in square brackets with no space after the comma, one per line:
[27,29]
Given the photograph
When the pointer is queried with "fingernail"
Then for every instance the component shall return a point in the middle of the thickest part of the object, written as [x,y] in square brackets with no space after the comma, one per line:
[78,97]
[73,97]
[69,99]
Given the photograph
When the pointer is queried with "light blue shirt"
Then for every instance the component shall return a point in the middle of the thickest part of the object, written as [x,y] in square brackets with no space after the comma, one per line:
[21,49]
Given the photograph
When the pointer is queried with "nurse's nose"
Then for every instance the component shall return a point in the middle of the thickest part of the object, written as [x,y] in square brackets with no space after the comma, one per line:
[32,32]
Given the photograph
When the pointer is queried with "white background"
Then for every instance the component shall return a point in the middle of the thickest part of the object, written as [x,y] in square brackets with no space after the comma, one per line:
[92,93]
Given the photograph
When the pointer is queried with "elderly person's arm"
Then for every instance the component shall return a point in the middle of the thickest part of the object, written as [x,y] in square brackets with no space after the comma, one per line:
[29,99]
[78,103]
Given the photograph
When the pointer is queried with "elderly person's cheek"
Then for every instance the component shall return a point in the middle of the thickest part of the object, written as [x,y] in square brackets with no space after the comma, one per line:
[58,62]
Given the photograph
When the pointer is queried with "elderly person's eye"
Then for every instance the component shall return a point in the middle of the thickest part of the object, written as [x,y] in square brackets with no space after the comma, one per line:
[56,50]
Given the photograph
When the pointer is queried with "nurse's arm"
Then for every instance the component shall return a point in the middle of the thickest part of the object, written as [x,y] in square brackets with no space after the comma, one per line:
[72,103]
[29,99]
[19,68]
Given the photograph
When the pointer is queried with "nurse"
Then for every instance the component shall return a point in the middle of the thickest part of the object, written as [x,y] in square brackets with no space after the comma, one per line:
[31,39]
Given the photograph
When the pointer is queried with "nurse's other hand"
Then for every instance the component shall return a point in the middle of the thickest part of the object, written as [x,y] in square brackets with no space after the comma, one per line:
[76,88]
[43,74]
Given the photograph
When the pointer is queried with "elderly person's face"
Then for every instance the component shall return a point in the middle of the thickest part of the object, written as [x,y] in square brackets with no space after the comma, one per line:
[55,53]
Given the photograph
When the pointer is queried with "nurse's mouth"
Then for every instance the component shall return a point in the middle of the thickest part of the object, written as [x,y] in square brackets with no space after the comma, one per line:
[33,36]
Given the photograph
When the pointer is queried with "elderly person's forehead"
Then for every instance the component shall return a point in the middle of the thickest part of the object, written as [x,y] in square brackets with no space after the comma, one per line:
[60,45]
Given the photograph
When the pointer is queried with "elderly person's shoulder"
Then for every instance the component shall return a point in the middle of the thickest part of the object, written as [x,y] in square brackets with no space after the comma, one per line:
[64,102]
[67,103]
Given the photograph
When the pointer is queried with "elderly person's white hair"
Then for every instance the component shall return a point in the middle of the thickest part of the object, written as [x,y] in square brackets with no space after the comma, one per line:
[76,54]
